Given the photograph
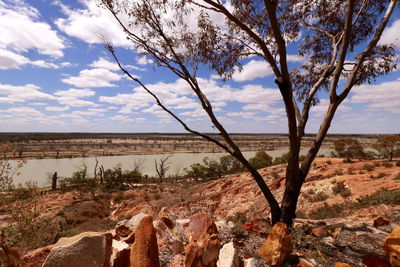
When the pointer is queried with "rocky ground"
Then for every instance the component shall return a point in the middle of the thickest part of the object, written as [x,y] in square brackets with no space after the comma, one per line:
[345,212]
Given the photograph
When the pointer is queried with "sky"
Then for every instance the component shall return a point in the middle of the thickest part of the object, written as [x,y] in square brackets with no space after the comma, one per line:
[56,76]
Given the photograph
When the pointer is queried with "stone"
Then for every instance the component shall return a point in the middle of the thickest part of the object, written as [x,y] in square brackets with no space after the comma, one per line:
[304,263]
[277,246]
[374,261]
[124,228]
[391,247]
[121,254]
[204,245]
[89,249]
[144,251]
[319,231]
[250,262]
[381,221]
[342,264]
[228,256]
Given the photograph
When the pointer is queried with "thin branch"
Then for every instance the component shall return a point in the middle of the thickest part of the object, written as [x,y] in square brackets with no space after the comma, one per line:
[372,44]
[159,103]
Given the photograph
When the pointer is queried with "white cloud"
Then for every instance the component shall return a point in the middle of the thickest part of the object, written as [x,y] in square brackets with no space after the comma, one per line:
[252,70]
[87,24]
[11,60]
[144,60]
[392,34]
[93,78]
[12,94]
[22,30]
[72,97]
[23,112]
[56,108]
[383,96]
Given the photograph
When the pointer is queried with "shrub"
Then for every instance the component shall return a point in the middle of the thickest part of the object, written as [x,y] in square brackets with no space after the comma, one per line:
[261,160]
[328,162]
[377,164]
[350,171]
[387,165]
[238,217]
[339,172]
[397,177]
[327,211]
[319,196]
[342,189]
[348,149]
[380,175]
[157,196]
[368,167]
[398,163]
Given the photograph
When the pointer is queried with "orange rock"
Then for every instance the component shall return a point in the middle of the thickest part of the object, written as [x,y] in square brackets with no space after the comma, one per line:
[391,247]
[381,221]
[319,232]
[374,261]
[277,246]
[342,264]
[304,263]
[144,251]
[203,248]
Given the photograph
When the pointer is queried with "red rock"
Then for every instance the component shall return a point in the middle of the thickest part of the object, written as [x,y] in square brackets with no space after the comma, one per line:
[391,247]
[251,227]
[203,248]
[304,263]
[342,264]
[381,221]
[277,246]
[144,251]
[374,261]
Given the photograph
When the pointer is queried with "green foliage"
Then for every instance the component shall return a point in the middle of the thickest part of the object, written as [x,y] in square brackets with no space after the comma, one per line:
[348,148]
[388,146]
[230,165]
[31,229]
[261,160]
[388,197]
[284,158]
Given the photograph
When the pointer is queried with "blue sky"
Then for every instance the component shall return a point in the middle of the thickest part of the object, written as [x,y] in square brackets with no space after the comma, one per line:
[56,76]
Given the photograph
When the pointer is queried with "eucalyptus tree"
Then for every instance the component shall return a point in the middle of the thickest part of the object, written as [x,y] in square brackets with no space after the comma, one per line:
[338,39]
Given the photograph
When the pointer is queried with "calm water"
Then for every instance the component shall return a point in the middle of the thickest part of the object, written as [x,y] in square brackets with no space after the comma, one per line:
[39,170]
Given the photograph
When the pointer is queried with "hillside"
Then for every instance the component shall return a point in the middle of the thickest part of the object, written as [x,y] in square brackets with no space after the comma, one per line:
[336,212]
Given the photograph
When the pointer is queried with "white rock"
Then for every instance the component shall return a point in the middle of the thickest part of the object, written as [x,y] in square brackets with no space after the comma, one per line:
[249,262]
[228,256]
[89,249]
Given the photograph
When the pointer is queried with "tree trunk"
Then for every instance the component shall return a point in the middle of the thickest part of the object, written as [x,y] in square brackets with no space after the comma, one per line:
[54,182]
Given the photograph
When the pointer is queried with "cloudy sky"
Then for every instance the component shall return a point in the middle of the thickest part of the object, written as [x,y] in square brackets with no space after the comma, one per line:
[56,76]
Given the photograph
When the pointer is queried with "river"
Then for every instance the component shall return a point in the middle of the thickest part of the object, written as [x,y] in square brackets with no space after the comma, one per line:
[39,170]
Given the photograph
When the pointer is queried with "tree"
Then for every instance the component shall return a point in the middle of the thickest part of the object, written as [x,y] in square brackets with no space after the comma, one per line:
[388,146]
[331,31]
[162,166]
[261,160]
[348,148]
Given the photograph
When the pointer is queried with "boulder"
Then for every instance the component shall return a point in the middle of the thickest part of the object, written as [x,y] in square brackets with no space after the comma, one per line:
[204,245]
[228,256]
[304,263]
[89,249]
[144,251]
[374,261]
[391,247]
[125,229]
[277,246]
[120,254]
[381,221]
